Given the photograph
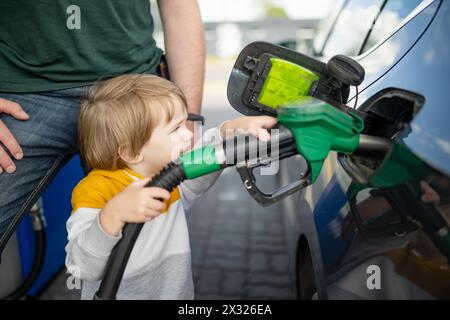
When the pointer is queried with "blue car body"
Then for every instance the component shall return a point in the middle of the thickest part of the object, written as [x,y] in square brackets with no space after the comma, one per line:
[333,258]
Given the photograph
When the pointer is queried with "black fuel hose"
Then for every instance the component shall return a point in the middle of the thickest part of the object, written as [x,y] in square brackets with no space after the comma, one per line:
[170,177]
[38,222]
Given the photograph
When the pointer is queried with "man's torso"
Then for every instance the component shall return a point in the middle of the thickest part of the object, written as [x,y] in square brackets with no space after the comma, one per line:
[55,44]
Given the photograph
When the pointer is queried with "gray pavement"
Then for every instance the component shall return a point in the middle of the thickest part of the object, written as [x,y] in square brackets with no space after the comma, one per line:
[238,247]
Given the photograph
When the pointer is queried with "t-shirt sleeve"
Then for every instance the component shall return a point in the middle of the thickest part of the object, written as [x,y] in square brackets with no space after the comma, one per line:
[89,246]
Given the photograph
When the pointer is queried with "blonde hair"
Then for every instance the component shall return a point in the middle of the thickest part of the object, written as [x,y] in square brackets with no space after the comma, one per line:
[122,113]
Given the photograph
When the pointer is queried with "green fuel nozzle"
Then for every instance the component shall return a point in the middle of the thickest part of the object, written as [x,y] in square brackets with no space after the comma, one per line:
[319,128]
[309,127]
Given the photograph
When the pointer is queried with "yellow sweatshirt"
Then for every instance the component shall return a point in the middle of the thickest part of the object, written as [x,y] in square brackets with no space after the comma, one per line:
[95,190]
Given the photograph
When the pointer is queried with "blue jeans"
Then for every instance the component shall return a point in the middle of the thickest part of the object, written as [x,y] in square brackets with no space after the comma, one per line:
[48,140]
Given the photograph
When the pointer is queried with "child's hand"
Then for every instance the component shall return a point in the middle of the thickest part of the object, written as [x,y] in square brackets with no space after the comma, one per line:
[135,204]
[256,126]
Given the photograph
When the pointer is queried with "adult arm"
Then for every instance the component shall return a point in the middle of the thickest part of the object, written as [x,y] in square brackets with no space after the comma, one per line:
[185,47]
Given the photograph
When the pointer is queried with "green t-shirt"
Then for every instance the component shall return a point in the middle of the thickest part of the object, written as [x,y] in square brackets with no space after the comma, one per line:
[57,44]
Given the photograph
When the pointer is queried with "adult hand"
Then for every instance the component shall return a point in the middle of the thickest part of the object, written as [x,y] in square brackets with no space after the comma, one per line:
[257,126]
[6,137]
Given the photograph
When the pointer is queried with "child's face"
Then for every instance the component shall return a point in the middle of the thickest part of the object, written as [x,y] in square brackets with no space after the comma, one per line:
[168,141]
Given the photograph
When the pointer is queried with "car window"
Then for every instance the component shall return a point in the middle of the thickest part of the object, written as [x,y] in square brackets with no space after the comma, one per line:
[352,27]
[391,16]
[325,26]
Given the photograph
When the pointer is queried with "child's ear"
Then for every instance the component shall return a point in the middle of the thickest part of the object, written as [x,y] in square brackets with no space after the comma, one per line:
[126,155]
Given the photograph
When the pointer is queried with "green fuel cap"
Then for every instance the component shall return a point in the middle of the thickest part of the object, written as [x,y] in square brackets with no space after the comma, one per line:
[319,128]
